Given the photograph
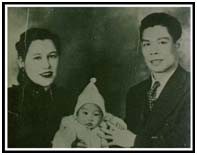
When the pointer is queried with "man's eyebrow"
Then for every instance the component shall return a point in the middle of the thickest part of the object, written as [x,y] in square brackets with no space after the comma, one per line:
[146,40]
[53,52]
[164,38]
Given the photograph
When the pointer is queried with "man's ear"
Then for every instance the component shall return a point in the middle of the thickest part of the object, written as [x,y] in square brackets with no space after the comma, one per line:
[178,44]
[21,62]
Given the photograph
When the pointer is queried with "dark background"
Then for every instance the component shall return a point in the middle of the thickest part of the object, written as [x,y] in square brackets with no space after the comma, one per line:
[96,42]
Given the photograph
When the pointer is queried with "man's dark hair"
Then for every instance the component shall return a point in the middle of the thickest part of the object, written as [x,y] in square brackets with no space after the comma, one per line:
[32,34]
[171,23]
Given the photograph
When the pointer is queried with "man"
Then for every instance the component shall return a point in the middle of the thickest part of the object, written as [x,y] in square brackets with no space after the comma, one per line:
[158,109]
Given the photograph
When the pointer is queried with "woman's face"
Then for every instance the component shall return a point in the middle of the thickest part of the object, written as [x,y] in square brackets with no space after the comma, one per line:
[41,62]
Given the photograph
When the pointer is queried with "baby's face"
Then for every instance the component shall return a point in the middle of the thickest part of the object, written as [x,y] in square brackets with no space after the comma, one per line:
[89,115]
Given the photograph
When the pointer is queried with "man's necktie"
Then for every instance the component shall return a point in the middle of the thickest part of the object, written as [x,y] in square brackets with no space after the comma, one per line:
[152,94]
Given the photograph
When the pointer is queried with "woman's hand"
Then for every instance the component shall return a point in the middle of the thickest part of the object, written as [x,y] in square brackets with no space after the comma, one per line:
[115,136]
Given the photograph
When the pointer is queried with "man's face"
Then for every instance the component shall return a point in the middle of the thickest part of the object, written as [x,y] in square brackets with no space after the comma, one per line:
[158,49]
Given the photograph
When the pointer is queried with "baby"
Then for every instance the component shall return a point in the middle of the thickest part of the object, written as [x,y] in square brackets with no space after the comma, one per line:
[84,124]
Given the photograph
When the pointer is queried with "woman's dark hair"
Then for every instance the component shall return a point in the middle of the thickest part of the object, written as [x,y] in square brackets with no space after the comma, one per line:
[32,34]
[163,19]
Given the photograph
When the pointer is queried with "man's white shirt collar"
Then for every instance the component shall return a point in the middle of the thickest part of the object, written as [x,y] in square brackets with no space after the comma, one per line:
[163,79]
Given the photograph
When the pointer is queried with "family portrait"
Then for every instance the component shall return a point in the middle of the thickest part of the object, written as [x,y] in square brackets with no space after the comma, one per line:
[99,77]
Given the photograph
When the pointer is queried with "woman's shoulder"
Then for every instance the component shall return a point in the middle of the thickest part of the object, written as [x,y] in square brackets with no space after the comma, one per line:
[59,92]
[14,93]
[14,89]
[65,98]
[14,98]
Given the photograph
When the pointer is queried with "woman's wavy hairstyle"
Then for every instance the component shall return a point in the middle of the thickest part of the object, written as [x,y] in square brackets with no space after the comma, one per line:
[32,34]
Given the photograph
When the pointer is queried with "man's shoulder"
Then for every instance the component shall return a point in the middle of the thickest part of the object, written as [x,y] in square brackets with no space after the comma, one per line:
[181,76]
[188,77]
[142,85]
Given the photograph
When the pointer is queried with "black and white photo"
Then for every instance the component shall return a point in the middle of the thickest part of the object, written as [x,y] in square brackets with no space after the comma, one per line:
[98,77]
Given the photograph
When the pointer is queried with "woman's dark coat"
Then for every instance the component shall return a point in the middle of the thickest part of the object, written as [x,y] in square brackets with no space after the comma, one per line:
[34,115]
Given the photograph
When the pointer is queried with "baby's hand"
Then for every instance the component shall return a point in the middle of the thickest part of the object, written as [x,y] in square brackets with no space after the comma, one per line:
[78,143]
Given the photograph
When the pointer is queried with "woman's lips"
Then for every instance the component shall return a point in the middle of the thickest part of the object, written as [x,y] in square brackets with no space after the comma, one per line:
[47,74]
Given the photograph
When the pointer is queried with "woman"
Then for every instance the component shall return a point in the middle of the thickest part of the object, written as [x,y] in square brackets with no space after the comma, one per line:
[36,106]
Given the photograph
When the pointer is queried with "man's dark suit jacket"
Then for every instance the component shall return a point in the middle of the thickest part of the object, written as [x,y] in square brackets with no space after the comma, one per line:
[168,125]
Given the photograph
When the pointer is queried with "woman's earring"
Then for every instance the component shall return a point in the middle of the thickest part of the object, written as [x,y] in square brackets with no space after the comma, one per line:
[23,70]
[23,73]
[21,62]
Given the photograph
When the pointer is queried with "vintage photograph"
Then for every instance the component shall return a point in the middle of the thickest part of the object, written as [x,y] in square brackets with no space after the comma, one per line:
[98,76]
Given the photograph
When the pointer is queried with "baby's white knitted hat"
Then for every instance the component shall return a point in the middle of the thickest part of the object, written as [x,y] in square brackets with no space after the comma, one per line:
[90,94]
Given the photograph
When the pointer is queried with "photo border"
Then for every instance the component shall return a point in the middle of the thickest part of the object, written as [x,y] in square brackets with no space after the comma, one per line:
[112,149]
